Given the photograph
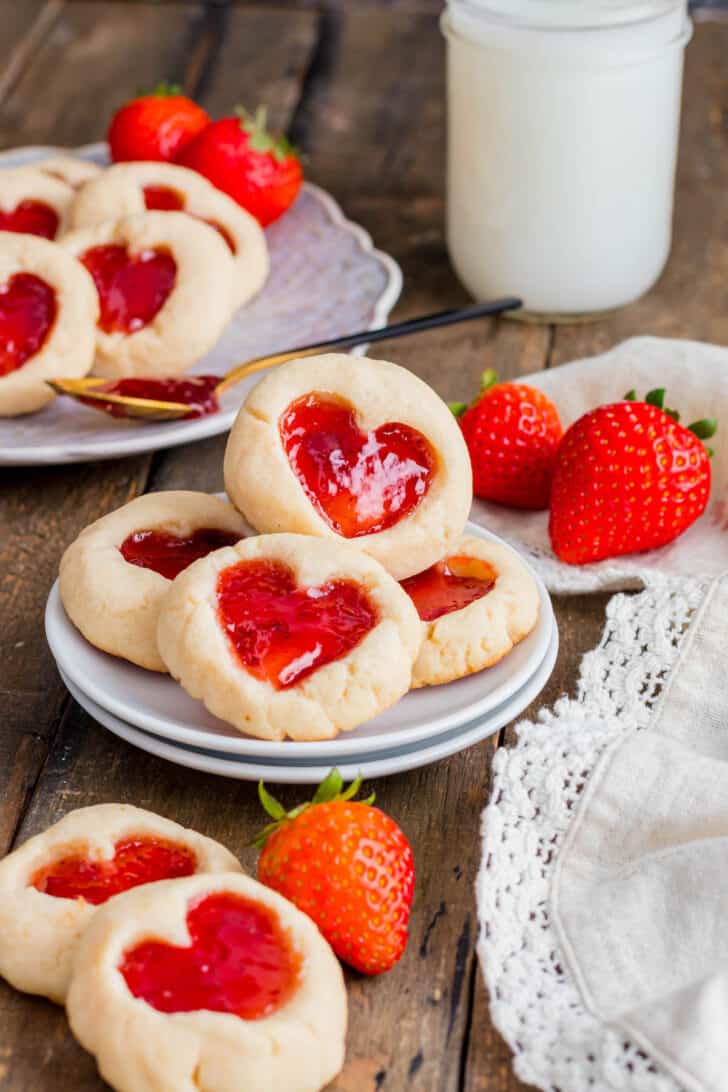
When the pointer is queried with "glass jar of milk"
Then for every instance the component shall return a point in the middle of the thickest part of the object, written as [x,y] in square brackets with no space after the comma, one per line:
[563,121]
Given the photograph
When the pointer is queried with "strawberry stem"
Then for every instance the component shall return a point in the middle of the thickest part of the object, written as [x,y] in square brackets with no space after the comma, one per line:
[457,408]
[330,789]
[163,90]
[260,139]
[488,379]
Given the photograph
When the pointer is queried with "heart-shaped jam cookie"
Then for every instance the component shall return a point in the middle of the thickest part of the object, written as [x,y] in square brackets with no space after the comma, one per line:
[169,554]
[136,861]
[359,482]
[282,632]
[240,961]
[28,310]
[31,218]
[131,288]
[449,585]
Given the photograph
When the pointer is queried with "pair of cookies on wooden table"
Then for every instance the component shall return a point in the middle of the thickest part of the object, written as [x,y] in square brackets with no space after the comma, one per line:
[178,971]
[130,271]
[358,585]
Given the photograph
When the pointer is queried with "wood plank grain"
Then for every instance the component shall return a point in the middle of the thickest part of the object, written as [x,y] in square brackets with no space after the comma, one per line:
[372,118]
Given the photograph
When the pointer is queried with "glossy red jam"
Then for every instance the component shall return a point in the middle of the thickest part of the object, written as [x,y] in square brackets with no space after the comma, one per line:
[169,554]
[283,633]
[131,289]
[31,218]
[360,482]
[449,585]
[196,391]
[163,199]
[241,961]
[167,200]
[135,861]
[28,310]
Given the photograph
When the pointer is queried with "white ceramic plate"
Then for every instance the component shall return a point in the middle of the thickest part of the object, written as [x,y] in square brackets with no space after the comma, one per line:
[157,704]
[381,764]
[326,279]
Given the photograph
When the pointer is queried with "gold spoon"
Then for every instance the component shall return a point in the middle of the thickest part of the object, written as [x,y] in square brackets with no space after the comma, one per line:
[90,389]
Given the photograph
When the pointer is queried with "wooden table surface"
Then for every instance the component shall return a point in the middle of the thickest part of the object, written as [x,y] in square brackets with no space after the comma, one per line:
[360,89]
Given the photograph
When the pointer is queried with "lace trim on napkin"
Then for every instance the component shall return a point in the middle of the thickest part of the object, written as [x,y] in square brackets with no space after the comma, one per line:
[558,1044]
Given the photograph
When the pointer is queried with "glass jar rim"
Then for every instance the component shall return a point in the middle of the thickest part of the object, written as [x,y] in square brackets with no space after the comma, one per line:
[561,16]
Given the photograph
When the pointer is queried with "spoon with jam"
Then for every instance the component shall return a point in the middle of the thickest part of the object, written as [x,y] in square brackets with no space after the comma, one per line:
[172,399]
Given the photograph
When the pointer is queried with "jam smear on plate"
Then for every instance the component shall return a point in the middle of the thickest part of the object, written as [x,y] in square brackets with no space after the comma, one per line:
[28,310]
[359,482]
[241,961]
[132,288]
[449,585]
[169,554]
[282,632]
[31,218]
[136,861]
[195,391]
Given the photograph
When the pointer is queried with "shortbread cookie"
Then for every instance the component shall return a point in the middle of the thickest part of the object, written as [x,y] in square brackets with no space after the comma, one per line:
[51,886]
[164,283]
[115,575]
[33,203]
[48,311]
[70,169]
[130,188]
[212,984]
[354,449]
[475,605]
[290,636]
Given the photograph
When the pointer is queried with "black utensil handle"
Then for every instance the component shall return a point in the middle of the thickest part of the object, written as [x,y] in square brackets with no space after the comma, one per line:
[416,325]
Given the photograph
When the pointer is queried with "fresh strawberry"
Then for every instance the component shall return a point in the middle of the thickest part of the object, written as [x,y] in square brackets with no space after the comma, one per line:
[628,478]
[239,156]
[155,126]
[348,866]
[512,432]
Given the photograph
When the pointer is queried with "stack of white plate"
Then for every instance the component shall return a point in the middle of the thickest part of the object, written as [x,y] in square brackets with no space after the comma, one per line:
[152,711]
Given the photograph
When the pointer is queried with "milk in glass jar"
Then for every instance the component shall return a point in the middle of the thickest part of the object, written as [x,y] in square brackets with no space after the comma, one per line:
[563,121]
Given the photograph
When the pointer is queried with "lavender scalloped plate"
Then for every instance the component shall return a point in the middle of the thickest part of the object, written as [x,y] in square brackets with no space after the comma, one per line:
[326,279]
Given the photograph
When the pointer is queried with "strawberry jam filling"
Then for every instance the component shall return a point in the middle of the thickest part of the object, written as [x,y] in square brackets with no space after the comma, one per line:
[166,200]
[132,289]
[169,554]
[240,961]
[162,198]
[280,632]
[196,391]
[449,585]
[27,312]
[359,482]
[31,218]
[136,861]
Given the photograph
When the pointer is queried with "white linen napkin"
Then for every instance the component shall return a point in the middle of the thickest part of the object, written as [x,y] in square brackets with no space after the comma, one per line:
[696,378]
[640,891]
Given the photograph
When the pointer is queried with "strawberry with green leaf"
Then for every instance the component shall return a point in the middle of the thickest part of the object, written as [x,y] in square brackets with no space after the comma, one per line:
[347,865]
[628,478]
[259,170]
